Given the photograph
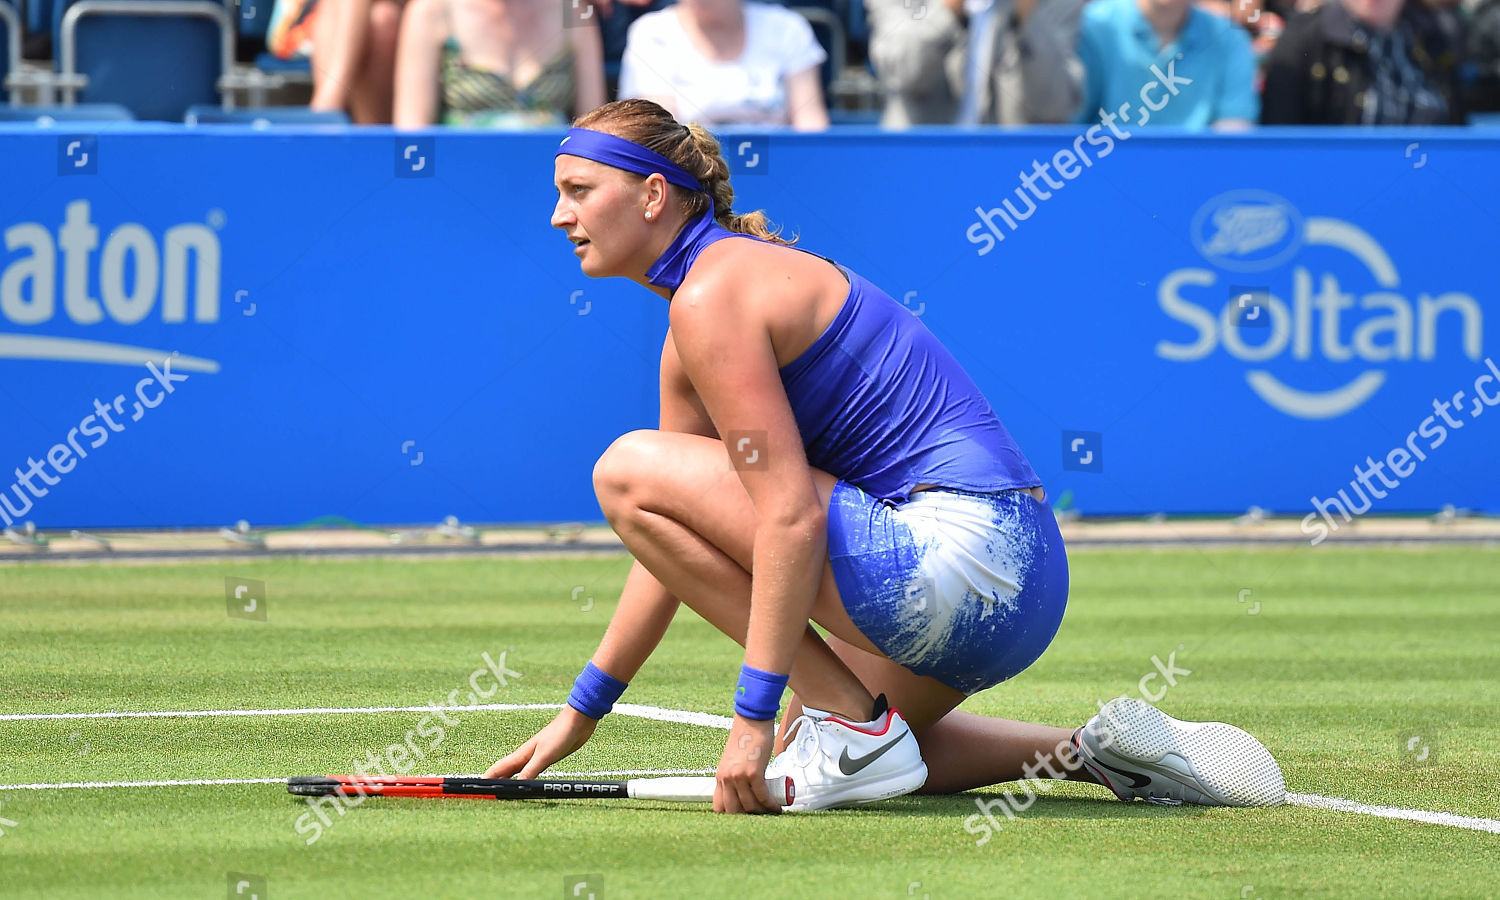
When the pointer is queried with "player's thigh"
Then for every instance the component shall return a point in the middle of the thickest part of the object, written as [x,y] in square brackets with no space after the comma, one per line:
[690,478]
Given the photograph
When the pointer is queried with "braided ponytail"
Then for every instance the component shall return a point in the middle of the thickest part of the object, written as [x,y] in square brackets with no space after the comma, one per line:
[713,171]
[692,148]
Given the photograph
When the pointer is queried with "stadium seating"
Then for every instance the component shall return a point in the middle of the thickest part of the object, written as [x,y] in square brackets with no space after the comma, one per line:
[37,15]
[254,18]
[100,58]
[10,45]
[262,117]
[830,33]
[854,18]
[271,72]
[841,86]
[78,112]
[295,69]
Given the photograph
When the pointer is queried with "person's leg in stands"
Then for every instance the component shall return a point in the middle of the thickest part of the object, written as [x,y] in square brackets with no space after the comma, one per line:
[354,58]
[373,95]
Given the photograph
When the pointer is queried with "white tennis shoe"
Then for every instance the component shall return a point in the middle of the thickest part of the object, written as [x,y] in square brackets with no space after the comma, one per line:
[833,763]
[1138,751]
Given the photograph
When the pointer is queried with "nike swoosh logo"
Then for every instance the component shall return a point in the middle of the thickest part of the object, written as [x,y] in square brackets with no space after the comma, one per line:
[850,765]
[1136,781]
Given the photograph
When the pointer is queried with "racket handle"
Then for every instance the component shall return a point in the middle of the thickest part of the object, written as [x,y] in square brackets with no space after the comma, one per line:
[698,789]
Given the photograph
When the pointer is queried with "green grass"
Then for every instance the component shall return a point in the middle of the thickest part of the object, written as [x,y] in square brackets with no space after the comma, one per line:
[1350,652]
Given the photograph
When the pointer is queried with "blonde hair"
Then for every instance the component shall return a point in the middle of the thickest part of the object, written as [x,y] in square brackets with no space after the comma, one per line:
[689,146]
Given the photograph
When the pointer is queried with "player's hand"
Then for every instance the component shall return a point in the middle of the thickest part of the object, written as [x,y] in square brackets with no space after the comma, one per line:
[568,730]
[741,783]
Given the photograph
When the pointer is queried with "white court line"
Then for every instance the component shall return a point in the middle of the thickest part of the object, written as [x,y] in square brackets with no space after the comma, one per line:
[306,711]
[656,713]
[194,782]
[1452,820]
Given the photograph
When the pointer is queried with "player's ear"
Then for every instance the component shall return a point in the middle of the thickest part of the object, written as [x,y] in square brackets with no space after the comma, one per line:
[655,188]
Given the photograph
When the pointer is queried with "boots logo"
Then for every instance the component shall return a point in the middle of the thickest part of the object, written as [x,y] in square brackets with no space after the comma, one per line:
[1349,319]
[50,274]
[1247,231]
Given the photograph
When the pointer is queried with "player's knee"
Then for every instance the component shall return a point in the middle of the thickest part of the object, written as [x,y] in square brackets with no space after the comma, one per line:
[619,473]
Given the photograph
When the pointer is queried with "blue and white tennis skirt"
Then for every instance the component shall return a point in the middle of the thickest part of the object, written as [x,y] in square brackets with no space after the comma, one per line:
[968,588]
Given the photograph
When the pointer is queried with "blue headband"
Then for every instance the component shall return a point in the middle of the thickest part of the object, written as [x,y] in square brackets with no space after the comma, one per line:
[623,154]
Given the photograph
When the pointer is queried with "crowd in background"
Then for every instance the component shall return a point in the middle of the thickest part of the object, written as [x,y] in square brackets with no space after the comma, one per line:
[1223,64]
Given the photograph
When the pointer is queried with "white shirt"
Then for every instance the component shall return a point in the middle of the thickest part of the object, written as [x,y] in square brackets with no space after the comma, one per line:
[660,61]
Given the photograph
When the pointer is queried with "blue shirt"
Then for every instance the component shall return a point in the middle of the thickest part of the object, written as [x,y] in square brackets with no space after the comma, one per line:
[1206,74]
[879,401]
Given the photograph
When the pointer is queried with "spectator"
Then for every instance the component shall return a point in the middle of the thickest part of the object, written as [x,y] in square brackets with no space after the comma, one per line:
[1263,19]
[916,49]
[1484,54]
[1022,64]
[352,45]
[1163,62]
[615,21]
[1007,62]
[496,64]
[1363,62]
[727,62]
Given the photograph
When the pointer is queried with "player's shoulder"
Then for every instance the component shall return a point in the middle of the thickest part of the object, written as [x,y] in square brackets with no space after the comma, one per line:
[735,274]
[726,267]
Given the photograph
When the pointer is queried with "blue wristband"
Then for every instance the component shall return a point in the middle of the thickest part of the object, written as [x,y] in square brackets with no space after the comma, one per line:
[595,692]
[758,694]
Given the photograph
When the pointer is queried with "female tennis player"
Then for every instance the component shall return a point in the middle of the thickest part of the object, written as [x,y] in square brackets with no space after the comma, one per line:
[821,457]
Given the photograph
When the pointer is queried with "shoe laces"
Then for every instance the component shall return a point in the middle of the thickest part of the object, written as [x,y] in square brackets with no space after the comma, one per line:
[809,741]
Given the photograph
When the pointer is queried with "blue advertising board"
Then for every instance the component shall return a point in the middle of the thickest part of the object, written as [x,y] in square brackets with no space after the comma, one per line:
[198,326]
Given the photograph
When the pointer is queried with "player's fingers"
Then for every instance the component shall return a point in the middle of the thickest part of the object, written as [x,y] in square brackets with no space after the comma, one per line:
[535,765]
[731,797]
[763,796]
[511,764]
[746,796]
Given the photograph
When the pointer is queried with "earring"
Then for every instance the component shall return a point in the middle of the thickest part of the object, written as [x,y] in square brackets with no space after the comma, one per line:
[648,213]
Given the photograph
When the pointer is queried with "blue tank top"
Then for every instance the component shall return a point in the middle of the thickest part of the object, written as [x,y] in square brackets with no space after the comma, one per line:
[879,401]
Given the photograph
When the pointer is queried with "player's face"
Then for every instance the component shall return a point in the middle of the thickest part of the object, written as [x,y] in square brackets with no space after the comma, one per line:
[598,209]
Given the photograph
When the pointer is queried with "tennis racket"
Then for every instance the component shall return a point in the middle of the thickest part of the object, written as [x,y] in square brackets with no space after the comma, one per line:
[676,789]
